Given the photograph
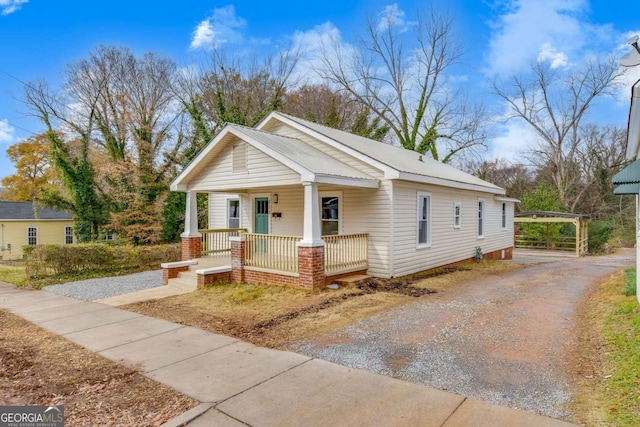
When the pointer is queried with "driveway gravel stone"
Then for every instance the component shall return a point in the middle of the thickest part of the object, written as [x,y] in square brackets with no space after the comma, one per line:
[503,338]
[104,287]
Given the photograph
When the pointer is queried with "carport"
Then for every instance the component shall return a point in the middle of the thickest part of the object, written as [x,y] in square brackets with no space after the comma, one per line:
[578,245]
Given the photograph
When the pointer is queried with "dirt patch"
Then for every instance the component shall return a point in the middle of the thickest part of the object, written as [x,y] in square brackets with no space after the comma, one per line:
[40,368]
[275,317]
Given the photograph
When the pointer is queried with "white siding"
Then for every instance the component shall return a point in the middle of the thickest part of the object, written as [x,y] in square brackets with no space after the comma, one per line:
[291,206]
[448,244]
[367,211]
[262,171]
[218,209]
[285,130]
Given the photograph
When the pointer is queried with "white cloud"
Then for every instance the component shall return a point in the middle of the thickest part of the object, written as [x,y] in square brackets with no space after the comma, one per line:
[391,16]
[313,44]
[9,6]
[514,141]
[222,27]
[6,131]
[557,29]
[549,53]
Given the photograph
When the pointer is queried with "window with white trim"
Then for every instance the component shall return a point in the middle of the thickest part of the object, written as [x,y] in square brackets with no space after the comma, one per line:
[457,215]
[68,235]
[504,216]
[480,218]
[32,236]
[424,220]
[330,210]
[233,213]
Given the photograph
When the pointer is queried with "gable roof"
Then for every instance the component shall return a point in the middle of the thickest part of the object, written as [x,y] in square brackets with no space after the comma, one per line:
[397,162]
[28,211]
[312,164]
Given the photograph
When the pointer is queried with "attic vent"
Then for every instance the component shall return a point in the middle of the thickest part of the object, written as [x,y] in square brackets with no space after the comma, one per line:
[239,157]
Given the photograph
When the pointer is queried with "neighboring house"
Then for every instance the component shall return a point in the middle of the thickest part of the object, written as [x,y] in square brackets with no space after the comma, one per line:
[23,223]
[628,179]
[350,204]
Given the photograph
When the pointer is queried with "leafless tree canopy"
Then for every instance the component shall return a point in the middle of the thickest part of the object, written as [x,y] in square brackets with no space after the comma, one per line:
[554,103]
[400,74]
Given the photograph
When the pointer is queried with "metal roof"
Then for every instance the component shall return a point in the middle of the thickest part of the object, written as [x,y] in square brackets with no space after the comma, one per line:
[633,127]
[308,157]
[30,211]
[625,189]
[398,158]
[628,175]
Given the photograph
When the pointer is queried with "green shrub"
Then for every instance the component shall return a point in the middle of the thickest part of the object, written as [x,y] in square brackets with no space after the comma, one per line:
[65,260]
[599,234]
[630,285]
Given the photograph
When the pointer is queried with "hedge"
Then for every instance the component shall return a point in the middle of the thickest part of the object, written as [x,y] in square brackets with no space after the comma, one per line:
[42,260]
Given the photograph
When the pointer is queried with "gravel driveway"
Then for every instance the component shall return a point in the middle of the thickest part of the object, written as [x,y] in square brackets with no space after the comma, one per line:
[104,287]
[501,339]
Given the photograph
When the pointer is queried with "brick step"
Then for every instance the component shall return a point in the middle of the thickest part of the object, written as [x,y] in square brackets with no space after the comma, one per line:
[355,279]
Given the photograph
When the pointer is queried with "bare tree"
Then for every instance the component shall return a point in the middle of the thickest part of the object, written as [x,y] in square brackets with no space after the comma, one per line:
[399,72]
[554,103]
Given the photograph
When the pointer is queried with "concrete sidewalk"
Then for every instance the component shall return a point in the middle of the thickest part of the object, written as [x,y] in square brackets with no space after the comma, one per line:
[239,384]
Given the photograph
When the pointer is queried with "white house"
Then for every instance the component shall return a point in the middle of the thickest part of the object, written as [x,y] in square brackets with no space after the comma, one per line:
[318,203]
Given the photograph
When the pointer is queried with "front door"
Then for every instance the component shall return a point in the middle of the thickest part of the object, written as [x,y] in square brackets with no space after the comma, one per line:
[261,220]
[261,223]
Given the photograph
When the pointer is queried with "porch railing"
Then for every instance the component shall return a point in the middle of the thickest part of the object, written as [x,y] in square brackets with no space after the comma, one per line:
[216,242]
[272,252]
[345,252]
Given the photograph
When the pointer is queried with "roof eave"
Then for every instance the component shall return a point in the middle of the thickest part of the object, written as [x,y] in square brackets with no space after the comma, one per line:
[495,190]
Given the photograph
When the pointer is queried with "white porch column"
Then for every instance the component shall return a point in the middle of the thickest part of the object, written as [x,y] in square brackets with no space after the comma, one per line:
[312,235]
[191,216]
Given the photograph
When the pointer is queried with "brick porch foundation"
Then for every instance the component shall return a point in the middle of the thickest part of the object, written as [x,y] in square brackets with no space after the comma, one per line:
[191,248]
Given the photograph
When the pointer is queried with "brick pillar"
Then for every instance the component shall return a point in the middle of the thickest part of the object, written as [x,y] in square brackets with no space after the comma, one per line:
[191,248]
[238,248]
[311,267]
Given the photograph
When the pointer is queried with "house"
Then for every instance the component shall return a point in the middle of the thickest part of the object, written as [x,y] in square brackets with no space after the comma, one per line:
[24,223]
[314,204]
[628,179]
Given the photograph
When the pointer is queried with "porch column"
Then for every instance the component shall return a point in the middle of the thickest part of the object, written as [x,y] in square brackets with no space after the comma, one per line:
[191,239]
[311,248]
[312,235]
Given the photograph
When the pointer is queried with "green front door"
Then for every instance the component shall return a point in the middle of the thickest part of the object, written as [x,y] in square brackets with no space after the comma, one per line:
[261,209]
[261,223]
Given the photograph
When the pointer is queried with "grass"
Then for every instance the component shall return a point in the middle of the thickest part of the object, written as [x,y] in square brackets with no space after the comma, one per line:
[630,283]
[606,369]
[12,273]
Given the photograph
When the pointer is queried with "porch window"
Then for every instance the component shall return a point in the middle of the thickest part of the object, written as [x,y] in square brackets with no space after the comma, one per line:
[457,215]
[480,218]
[424,219]
[32,236]
[504,216]
[68,235]
[233,213]
[330,215]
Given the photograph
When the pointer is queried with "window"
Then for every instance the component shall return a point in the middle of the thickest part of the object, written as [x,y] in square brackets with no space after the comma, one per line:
[233,213]
[108,235]
[424,219]
[32,236]
[68,235]
[457,215]
[504,216]
[330,209]
[480,218]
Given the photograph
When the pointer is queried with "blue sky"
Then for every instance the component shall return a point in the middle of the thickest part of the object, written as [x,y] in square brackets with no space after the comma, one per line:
[38,38]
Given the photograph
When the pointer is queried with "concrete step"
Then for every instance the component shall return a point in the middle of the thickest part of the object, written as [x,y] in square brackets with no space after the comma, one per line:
[355,279]
[184,283]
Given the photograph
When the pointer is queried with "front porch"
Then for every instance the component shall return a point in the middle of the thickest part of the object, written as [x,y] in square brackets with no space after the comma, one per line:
[237,256]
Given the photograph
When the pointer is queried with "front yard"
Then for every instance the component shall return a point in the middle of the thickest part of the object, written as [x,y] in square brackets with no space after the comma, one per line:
[275,317]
